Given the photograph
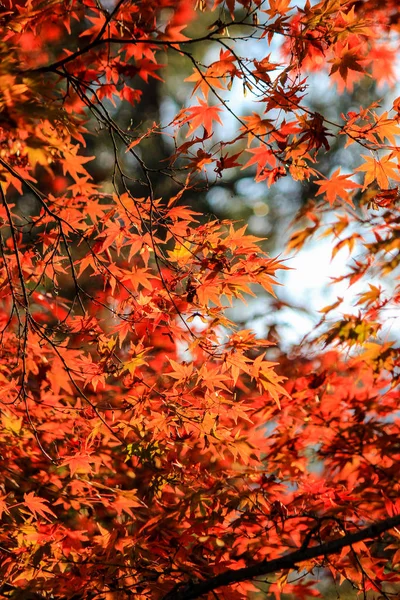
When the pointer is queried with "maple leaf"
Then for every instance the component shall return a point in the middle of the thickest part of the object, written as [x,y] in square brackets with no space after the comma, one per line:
[348,242]
[131,95]
[37,506]
[278,7]
[227,162]
[136,361]
[348,67]
[315,132]
[262,156]
[336,187]
[371,296]
[124,503]
[174,33]
[147,68]
[386,129]
[224,67]
[201,159]
[215,75]
[98,23]
[10,422]
[201,115]
[263,68]
[73,162]
[347,60]
[80,463]
[379,170]
[255,125]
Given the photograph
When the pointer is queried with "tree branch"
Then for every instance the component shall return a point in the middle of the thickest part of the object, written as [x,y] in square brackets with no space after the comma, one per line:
[191,590]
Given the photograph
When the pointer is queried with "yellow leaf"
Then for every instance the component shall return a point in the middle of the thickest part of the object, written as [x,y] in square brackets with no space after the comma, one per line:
[12,423]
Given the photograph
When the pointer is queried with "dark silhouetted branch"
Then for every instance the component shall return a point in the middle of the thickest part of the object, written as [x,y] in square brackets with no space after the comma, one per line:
[193,590]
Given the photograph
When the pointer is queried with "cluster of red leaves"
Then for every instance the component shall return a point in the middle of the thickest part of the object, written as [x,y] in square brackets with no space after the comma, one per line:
[148,443]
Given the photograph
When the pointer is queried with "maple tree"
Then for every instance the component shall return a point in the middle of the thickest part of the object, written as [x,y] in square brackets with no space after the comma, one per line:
[151,447]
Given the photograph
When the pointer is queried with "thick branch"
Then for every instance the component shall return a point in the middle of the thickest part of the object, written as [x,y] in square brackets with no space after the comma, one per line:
[191,591]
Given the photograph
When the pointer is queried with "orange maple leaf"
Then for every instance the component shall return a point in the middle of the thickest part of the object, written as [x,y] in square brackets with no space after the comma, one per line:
[379,170]
[200,80]
[36,505]
[348,67]
[336,187]
[224,66]
[278,7]
[386,128]
[73,163]
[255,125]
[262,156]
[347,60]
[79,463]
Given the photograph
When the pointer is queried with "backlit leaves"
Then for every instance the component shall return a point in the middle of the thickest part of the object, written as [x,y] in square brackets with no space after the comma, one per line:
[148,440]
[381,170]
[201,115]
[37,506]
[336,187]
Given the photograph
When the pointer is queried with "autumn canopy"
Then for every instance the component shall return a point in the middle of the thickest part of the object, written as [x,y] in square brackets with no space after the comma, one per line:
[152,445]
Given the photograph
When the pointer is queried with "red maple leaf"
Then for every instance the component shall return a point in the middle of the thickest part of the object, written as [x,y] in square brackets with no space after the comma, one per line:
[202,115]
